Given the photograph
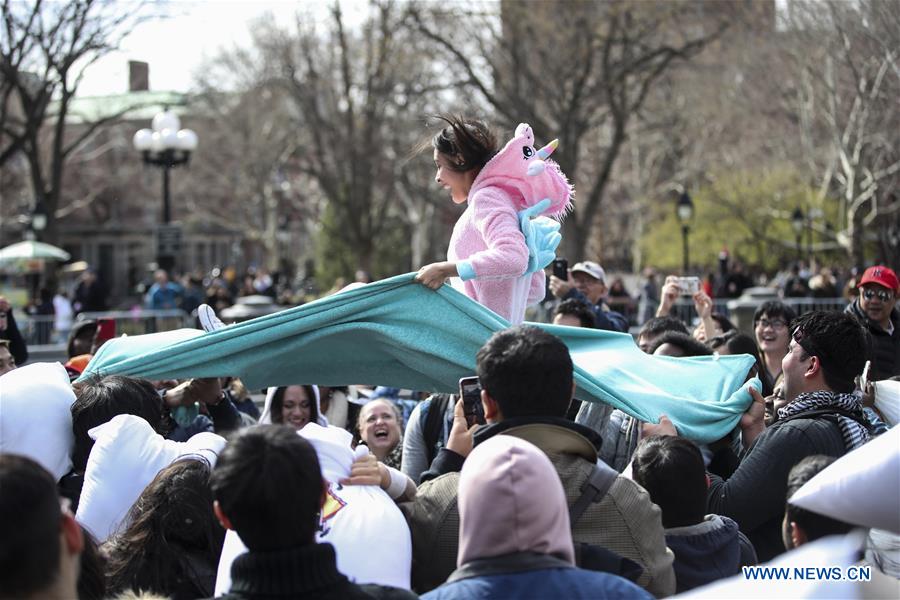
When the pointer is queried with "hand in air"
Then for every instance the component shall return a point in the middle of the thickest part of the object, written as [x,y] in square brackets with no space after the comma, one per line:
[668,296]
[558,287]
[703,304]
[460,438]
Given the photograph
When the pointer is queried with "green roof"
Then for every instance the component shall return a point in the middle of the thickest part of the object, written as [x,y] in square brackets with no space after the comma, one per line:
[137,106]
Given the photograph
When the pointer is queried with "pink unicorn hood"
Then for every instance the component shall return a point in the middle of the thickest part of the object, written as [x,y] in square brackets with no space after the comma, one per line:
[524,172]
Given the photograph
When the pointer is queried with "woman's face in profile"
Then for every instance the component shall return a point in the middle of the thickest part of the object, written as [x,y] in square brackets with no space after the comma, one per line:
[296,407]
[456,182]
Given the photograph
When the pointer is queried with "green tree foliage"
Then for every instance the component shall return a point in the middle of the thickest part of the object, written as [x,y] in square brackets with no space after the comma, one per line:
[337,258]
[748,213]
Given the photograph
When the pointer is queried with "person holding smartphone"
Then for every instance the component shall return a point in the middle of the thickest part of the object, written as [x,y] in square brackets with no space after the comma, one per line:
[586,281]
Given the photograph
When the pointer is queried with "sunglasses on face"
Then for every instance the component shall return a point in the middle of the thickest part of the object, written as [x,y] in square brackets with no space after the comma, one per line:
[883,295]
[774,323]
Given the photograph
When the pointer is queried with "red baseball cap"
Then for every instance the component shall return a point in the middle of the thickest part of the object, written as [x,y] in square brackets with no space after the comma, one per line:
[881,275]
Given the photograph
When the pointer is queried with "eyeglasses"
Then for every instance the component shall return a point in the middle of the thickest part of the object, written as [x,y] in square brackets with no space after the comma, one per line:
[883,295]
[774,323]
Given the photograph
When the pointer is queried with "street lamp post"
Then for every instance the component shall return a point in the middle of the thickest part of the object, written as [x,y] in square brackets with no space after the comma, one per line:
[36,226]
[166,146]
[684,209]
[38,222]
[797,222]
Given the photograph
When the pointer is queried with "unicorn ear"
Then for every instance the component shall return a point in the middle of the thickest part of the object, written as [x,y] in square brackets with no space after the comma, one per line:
[547,150]
[524,129]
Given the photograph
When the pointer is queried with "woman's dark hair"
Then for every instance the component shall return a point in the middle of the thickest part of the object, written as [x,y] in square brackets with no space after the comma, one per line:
[686,343]
[659,325]
[278,403]
[81,338]
[30,521]
[172,540]
[92,566]
[737,343]
[723,322]
[813,524]
[468,143]
[671,469]
[101,399]
[774,309]
[579,310]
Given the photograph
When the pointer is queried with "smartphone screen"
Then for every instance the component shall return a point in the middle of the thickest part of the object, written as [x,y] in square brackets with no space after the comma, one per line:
[561,269]
[470,392]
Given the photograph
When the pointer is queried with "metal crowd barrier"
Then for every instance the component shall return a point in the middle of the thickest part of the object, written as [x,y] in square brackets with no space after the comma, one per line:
[40,329]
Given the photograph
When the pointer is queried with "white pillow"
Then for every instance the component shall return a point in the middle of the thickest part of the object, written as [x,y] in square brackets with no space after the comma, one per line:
[861,487]
[126,456]
[887,400]
[36,417]
[355,520]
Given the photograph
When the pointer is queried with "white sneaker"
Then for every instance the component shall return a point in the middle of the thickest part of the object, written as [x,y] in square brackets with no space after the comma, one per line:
[208,319]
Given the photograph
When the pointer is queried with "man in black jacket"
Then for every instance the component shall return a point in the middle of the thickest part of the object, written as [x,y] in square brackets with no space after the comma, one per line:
[875,308]
[268,487]
[822,416]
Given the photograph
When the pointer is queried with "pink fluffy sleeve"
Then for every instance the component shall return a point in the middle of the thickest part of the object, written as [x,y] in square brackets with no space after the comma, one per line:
[496,220]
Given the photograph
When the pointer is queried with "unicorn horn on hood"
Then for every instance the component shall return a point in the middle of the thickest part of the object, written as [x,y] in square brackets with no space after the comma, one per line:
[547,150]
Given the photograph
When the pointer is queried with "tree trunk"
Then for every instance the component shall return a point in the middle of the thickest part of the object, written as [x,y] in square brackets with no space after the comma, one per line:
[857,239]
[574,245]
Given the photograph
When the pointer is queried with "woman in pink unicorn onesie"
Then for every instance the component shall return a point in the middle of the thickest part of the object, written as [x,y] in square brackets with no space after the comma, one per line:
[504,239]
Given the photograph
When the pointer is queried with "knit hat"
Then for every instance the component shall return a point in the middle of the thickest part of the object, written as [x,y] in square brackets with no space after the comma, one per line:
[881,275]
[590,268]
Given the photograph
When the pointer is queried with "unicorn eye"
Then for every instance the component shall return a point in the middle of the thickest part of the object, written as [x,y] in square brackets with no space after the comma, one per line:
[527,151]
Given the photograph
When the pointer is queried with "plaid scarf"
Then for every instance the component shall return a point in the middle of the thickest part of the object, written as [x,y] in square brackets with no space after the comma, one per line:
[854,434]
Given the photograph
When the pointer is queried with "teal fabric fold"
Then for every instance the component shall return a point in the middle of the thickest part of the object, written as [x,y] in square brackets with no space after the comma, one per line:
[398,333]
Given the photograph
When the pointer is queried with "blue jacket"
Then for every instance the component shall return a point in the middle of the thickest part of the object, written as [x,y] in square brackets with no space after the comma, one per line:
[711,550]
[512,576]
[609,320]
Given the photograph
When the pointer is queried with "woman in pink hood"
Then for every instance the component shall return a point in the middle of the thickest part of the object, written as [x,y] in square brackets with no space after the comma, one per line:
[490,259]
[515,539]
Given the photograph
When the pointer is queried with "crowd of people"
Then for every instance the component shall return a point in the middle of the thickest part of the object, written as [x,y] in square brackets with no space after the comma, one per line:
[116,486]
[546,496]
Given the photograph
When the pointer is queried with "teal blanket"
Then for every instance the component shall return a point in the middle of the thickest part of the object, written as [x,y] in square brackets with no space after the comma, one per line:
[398,333]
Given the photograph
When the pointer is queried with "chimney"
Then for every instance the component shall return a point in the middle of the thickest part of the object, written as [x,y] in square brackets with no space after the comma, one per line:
[138,76]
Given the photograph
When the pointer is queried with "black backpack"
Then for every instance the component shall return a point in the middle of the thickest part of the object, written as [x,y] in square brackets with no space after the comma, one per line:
[433,428]
[592,556]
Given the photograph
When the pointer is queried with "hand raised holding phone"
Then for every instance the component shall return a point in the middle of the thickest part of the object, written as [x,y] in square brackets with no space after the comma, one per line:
[468,413]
